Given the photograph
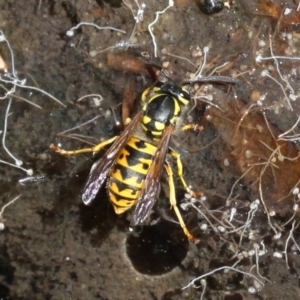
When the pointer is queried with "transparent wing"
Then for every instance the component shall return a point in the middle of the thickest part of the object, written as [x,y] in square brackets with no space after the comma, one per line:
[151,187]
[101,168]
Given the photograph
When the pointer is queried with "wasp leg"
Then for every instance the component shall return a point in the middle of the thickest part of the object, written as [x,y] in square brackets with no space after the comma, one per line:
[94,149]
[128,102]
[195,127]
[176,155]
[174,203]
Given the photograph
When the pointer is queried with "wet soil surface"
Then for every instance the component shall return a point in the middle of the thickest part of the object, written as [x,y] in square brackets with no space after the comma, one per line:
[52,246]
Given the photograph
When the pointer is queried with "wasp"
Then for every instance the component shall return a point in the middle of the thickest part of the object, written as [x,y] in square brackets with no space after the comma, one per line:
[136,159]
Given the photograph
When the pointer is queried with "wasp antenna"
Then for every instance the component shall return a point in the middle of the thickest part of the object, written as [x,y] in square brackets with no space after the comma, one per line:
[220,79]
[152,65]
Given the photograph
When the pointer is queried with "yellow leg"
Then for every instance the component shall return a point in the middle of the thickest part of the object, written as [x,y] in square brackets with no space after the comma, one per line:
[194,127]
[180,174]
[94,149]
[174,203]
[127,121]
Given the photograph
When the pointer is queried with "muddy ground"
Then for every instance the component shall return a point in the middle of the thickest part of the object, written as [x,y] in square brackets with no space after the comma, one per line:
[52,246]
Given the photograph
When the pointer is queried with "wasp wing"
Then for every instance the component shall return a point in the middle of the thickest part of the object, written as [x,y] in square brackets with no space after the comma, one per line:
[101,168]
[151,187]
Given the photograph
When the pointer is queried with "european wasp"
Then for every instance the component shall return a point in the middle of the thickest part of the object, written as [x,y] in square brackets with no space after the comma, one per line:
[134,163]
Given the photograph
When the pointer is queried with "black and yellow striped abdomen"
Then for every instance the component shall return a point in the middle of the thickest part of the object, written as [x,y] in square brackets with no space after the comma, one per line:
[129,172]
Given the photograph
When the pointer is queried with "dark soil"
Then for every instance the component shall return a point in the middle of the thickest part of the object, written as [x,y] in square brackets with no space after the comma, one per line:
[55,247]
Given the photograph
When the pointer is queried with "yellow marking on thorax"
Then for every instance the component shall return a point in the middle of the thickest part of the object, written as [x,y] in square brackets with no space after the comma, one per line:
[174,120]
[159,126]
[177,107]
[183,100]
[146,120]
